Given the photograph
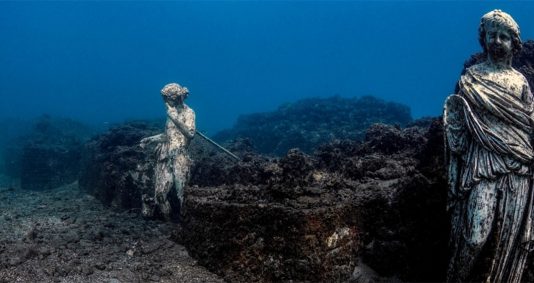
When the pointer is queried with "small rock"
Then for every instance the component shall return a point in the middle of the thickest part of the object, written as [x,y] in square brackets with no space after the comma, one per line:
[87,270]
[14,261]
[31,234]
[100,266]
[45,251]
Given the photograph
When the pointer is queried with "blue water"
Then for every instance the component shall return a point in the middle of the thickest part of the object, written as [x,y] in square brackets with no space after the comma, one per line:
[103,62]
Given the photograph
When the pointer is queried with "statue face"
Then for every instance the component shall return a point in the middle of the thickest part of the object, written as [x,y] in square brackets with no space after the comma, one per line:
[498,41]
[174,100]
[174,94]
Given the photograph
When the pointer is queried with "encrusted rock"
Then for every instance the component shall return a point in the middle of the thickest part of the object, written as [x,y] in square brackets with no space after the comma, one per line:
[311,122]
[116,170]
[312,217]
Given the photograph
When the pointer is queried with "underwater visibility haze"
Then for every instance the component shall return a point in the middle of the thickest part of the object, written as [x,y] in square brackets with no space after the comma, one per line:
[325,173]
[105,61]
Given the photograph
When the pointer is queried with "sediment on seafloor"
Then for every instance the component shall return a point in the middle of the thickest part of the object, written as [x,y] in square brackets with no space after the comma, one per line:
[65,235]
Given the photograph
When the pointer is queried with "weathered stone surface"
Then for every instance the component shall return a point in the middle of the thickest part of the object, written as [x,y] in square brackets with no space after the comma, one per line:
[261,213]
[523,62]
[488,129]
[310,122]
[272,219]
[247,241]
[116,170]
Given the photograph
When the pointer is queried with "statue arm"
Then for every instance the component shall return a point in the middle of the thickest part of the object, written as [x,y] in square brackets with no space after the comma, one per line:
[455,133]
[454,125]
[152,139]
[527,97]
[190,122]
[188,126]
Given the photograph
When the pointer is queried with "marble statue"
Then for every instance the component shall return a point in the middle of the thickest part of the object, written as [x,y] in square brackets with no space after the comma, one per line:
[488,127]
[173,163]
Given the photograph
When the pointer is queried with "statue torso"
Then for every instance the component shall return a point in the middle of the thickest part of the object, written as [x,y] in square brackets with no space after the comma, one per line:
[510,79]
[480,161]
[175,137]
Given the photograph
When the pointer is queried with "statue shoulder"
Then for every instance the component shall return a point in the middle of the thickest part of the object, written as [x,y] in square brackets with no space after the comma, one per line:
[189,109]
[471,73]
[478,69]
[519,76]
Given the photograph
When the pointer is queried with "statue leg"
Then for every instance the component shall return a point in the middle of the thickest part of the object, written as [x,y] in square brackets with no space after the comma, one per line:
[181,167]
[480,213]
[515,230]
[475,226]
[163,186]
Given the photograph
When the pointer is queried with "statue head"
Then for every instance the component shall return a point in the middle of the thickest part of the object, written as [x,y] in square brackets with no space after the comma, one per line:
[174,93]
[499,20]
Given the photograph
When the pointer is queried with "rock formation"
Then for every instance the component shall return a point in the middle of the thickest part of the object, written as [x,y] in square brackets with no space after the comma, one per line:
[314,217]
[311,122]
[116,170]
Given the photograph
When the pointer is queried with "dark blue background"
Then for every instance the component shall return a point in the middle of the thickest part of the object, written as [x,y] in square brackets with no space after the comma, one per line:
[106,61]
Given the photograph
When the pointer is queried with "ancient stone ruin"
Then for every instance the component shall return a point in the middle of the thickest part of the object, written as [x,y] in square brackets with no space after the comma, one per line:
[311,122]
[330,214]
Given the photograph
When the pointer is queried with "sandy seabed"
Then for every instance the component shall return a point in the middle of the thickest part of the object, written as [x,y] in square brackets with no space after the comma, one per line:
[64,235]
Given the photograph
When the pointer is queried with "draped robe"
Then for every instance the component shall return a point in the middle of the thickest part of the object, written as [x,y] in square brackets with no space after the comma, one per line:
[488,127]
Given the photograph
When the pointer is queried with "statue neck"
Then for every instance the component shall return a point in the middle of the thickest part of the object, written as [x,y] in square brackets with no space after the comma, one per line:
[501,63]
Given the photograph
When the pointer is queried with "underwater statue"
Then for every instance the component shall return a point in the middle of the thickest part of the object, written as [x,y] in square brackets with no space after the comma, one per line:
[173,163]
[488,127]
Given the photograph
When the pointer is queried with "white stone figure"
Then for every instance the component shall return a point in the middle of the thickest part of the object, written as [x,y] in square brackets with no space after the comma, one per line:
[488,128]
[173,163]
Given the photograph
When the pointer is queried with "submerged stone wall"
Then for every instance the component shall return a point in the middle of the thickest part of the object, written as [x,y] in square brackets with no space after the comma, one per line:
[316,217]
[115,169]
[244,240]
[299,217]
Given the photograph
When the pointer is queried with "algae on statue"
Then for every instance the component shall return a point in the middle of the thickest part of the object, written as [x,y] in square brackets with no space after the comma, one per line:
[173,162]
[488,125]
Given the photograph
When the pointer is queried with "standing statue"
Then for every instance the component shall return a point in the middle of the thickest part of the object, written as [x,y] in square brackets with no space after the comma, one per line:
[173,163]
[488,128]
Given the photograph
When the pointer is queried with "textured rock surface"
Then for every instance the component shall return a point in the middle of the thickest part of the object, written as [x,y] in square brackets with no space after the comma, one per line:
[273,219]
[299,217]
[266,241]
[310,122]
[64,235]
[116,170]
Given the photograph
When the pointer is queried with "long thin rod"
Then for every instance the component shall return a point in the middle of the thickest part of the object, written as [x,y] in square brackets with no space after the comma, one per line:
[218,146]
